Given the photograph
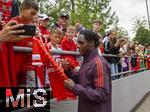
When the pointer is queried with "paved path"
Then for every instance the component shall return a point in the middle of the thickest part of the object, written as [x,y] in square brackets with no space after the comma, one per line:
[143,105]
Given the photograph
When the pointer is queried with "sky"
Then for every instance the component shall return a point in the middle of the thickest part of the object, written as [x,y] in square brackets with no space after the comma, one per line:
[126,10]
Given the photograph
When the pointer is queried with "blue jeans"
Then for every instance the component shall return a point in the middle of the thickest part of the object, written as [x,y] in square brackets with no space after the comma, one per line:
[114,68]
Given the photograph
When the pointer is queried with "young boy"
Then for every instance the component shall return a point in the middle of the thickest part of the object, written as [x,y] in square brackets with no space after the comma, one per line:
[97,26]
[68,44]
[23,61]
[54,44]
[56,36]
[53,74]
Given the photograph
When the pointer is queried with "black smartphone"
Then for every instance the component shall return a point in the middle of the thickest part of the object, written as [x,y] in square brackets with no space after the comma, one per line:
[30,30]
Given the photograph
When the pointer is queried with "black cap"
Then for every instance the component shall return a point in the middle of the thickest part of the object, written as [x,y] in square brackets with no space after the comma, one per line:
[64,15]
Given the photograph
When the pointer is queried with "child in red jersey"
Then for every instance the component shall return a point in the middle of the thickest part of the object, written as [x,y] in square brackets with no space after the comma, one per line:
[56,82]
[68,44]
[56,36]
[23,61]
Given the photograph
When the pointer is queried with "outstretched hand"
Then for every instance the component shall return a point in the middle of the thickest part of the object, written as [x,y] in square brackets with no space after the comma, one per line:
[69,83]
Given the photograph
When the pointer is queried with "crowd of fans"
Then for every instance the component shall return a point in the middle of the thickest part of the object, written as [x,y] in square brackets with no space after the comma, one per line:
[130,54]
[63,36]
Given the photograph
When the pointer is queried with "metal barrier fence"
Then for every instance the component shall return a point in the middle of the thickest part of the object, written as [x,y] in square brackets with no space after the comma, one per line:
[29,50]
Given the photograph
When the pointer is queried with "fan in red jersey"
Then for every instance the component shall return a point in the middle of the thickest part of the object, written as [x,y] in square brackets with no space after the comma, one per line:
[8,9]
[23,61]
[68,44]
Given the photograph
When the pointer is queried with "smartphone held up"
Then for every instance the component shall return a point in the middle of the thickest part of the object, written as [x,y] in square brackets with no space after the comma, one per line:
[30,30]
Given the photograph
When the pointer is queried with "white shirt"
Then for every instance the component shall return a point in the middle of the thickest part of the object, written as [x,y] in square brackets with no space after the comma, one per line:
[105,39]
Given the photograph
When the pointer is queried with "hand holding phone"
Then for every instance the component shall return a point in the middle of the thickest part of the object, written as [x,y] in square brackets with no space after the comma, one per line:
[30,30]
[9,32]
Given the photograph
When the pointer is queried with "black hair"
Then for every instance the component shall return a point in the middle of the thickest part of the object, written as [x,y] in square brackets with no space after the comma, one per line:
[89,36]
[27,4]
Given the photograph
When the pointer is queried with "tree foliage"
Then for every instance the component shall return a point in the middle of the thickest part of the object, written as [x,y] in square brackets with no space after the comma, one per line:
[142,33]
[84,11]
